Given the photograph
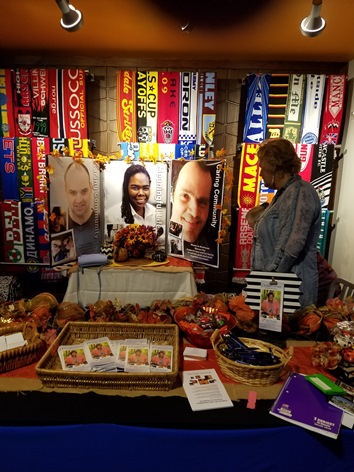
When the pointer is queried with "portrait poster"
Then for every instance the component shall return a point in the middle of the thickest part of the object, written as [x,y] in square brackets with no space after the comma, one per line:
[271,306]
[75,203]
[118,180]
[196,189]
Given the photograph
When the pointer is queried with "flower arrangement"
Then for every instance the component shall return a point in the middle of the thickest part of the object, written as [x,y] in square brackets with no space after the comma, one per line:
[136,239]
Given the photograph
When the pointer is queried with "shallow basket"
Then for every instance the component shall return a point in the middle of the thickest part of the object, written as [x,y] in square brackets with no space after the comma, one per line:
[21,356]
[52,375]
[262,376]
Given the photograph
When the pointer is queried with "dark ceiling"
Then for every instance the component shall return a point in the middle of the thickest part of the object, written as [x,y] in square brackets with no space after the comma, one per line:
[227,31]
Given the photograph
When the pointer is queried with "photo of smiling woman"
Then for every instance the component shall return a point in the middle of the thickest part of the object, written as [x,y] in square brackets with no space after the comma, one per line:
[135,207]
[135,193]
[196,200]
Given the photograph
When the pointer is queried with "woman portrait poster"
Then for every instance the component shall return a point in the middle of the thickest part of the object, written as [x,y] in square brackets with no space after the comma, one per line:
[135,193]
[75,189]
[197,189]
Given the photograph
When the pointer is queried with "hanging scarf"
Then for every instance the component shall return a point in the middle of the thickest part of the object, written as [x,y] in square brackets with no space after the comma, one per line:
[333,109]
[294,108]
[256,108]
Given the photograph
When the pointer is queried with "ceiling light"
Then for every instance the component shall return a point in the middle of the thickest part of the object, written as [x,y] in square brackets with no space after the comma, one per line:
[313,24]
[72,19]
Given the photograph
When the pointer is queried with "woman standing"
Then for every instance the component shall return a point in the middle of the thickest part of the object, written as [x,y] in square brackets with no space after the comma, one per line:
[287,232]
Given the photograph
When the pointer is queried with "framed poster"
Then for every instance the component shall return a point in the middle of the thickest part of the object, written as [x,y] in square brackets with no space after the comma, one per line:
[135,193]
[74,205]
[195,210]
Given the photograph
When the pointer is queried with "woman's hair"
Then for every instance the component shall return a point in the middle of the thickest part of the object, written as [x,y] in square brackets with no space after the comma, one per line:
[125,207]
[280,155]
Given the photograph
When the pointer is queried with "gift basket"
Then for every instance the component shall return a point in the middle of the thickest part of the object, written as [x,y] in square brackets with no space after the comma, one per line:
[21,356]
[249,352]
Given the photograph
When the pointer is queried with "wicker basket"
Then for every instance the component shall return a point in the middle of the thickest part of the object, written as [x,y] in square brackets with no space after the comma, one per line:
[52,375]
[262,376]
[21,356]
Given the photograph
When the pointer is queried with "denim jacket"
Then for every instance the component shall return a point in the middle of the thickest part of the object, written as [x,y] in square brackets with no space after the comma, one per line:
[286,236]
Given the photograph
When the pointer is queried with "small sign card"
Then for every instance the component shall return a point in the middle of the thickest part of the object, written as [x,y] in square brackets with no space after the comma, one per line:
[204,390]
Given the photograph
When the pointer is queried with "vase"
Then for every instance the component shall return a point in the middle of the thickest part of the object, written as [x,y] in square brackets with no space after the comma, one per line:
[137,254]
[120,254]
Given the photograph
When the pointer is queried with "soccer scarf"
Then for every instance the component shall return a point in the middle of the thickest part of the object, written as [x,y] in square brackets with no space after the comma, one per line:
[206,108]
[7,128]
[294,108]
[12,231]
[256,108]
[67,100]
[149,151]
[322,170]
[126,105]
[29,220]
[78,146]
[278,95]
[322,240]
[249,178]
[244,241]
[21,83]
[305,153]
[168,107]
[40,149]
[129,151]
[58,145]
[167,151]
[43,232]
[8,169]
[188,108]
[24,169]
[333,109]
[313,106]
[40,102]
[151,105]
[144,133]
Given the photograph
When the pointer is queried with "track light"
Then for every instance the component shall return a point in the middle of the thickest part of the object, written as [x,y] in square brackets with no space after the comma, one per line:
[313,24]
[72,19]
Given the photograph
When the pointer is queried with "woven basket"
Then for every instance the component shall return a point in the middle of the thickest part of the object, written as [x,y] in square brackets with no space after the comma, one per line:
[21,356]
[262,376]
[52,375]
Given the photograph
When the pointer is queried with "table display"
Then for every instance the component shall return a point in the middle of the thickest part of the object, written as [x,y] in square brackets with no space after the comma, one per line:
[140,284]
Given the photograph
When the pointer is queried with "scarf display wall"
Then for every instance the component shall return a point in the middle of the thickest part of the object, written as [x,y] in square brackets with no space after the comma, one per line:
[42,111]
[166,114]
[307,110]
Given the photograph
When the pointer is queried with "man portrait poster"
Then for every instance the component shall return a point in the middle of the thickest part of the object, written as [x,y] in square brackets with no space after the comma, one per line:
[197,189]
[135,193]
[75,189]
